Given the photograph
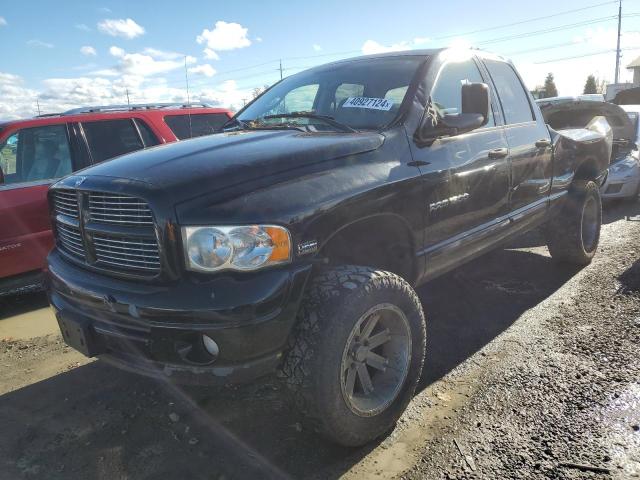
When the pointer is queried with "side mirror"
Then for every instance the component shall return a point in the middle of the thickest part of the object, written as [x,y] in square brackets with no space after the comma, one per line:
[475,109]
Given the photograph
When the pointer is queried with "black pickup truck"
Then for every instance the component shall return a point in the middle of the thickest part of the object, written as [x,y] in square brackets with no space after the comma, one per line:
[293,241]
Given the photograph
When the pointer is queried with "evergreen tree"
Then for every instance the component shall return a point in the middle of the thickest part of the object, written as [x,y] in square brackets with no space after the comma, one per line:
[591,86]
[550,86]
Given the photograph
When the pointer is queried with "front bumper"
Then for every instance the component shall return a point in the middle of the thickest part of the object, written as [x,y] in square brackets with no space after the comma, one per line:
[146,328]
[621,185]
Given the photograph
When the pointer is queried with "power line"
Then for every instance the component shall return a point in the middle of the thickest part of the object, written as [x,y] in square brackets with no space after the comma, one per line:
[513,24]
[277,63]
[593,54]
[547,30]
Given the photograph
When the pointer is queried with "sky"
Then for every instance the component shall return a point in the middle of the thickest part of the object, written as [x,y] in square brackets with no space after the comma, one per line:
[62,55]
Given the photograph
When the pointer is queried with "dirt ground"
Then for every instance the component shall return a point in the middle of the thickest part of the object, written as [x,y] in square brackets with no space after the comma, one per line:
[532,371]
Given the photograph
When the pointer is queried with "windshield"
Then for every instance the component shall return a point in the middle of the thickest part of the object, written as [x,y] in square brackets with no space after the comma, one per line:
[362,94]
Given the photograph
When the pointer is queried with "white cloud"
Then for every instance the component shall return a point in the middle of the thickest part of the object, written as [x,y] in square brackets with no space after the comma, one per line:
[148,63]
[17,100]
[34,42]
[83,27]
[162,54]
[88,50]
[371,46]
[116,51]
[259,39]
[60,94]
[210,54]
[125,28]
[205,69]
[3,22]
[225,36]
[316,47]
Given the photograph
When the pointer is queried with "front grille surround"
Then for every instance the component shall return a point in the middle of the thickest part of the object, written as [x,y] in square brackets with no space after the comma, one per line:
[106,231]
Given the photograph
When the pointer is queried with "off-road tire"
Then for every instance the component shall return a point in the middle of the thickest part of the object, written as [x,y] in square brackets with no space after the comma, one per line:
[334,301]
[564,232]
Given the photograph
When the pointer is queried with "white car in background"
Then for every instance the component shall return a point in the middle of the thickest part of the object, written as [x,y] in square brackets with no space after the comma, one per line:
[623,181]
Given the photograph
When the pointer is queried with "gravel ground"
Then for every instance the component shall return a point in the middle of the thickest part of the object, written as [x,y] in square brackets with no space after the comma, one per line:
[532,372]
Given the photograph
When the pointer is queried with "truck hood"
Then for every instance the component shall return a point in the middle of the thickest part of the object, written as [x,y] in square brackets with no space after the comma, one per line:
[578,113]
[190,168]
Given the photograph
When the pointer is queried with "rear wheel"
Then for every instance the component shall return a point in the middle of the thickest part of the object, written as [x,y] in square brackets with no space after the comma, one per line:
[573,235]
[357,353]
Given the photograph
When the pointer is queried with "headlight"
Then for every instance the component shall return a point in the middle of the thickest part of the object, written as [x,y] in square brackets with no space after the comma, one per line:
[209,249]
[623,165]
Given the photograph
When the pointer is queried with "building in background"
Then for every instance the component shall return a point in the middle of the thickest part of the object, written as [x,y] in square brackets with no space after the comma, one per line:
[614,88]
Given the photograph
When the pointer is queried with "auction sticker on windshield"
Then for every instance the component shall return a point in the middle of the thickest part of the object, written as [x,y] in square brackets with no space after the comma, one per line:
[368,102]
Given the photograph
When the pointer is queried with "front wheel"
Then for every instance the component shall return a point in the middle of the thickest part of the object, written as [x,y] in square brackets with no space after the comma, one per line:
[356,354]
[573,235]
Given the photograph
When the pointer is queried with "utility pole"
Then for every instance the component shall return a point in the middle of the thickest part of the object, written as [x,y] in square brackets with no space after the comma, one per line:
[618,47]
[280,69]
[128,102]
[38,105]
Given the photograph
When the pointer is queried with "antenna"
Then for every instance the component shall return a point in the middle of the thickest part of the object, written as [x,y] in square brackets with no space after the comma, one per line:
[618,47]
[128,102]
[280,69]
[38,105]
[186,81]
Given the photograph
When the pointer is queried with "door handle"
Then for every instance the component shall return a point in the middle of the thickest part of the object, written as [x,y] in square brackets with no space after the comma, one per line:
[543,143]
[498,153]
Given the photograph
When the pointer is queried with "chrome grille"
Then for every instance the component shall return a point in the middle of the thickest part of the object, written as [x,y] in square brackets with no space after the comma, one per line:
[119,209]
[132,253]
[65,202]
[119,234]
[70,239]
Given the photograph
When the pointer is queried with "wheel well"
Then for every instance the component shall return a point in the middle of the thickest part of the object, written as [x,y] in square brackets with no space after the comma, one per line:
[382,241]
[587,170]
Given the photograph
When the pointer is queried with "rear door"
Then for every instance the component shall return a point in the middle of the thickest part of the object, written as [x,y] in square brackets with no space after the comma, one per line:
[529,145]
[31,159]
[110,138]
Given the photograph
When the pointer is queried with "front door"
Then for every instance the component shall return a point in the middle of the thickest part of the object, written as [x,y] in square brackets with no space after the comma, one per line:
[30,159]
[466,177]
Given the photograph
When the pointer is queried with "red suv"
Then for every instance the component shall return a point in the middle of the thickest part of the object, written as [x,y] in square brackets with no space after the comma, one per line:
[36,152]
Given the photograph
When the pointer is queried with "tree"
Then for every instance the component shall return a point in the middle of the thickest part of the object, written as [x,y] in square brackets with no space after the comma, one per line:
[259,90]
[550,86]
[591,85]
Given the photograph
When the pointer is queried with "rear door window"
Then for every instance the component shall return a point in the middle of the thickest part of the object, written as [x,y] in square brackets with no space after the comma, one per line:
[36,154]
[148,137]
[110,138]
[195,125]
[513,97]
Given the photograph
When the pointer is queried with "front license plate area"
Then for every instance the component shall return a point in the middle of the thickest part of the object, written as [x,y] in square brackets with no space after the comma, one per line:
[77,334]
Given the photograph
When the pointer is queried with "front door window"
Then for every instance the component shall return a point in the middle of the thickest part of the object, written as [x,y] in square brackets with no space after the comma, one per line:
[36,154]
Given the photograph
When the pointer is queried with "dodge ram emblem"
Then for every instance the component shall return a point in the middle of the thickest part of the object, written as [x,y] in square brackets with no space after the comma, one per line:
[79,181]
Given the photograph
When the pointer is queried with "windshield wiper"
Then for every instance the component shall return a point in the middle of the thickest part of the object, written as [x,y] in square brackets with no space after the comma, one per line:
[235,122]
[314,116]
[255,125]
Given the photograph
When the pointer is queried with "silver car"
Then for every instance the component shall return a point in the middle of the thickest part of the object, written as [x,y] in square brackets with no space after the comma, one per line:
[623,181]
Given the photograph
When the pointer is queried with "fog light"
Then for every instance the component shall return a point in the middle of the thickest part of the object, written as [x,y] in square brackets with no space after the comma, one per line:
[210,346]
